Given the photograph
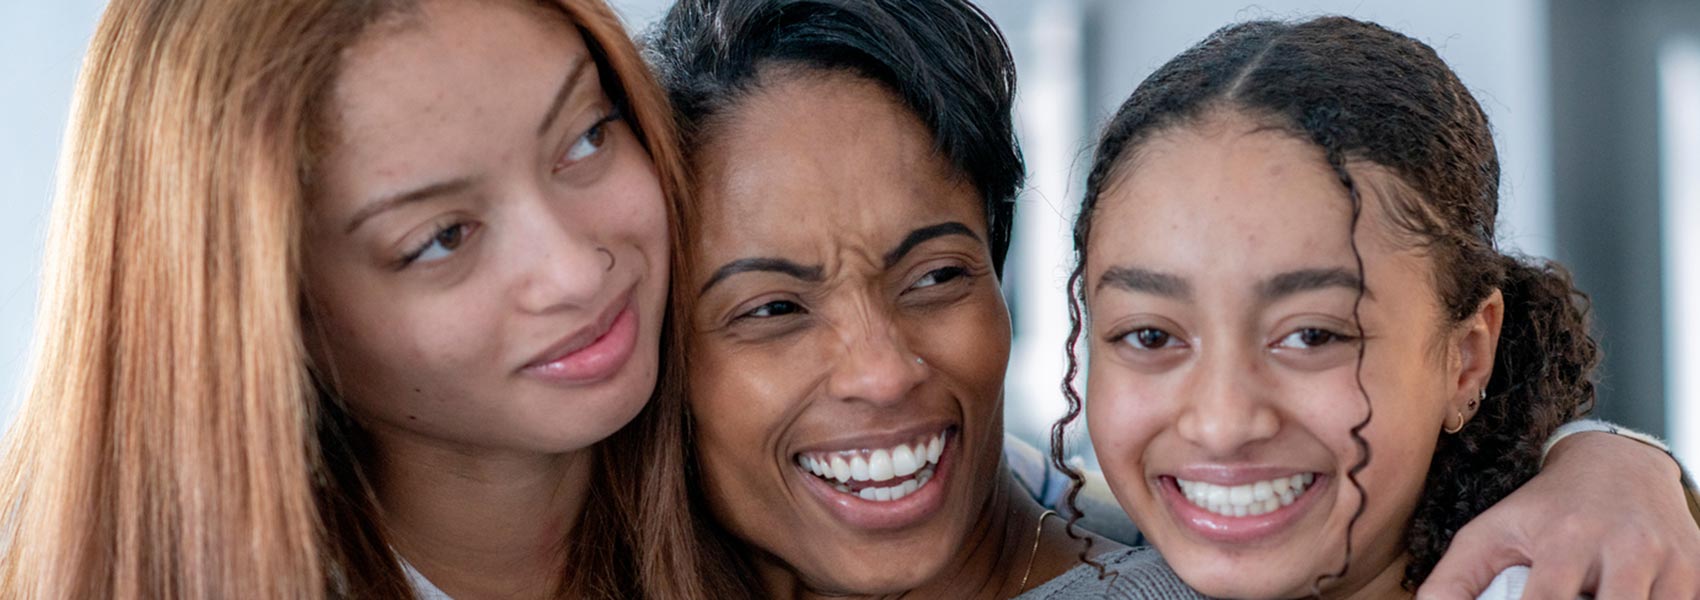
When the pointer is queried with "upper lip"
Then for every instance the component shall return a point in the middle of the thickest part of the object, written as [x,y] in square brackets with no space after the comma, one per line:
[879,439]
[583,336]
[1229,474]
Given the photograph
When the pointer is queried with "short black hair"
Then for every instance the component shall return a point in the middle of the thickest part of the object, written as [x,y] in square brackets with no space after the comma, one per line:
[944,59]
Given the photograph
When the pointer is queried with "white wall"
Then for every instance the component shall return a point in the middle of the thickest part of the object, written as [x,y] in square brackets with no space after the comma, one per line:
[41,45]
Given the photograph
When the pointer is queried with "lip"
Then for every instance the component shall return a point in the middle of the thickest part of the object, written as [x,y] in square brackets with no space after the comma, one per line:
[1237,530]
[594,352]
[873,515]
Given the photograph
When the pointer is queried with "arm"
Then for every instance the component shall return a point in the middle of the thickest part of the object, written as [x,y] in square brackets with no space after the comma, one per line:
[1607,512]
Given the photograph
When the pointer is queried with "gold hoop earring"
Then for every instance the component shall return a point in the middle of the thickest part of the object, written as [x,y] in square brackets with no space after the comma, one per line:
[1457,429]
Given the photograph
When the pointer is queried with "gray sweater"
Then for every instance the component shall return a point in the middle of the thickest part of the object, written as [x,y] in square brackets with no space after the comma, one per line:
[1135,573]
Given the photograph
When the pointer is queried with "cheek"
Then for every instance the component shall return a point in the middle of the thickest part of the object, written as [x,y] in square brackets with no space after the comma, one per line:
[738,405]
[437,342]
[633,203]
[1124,414]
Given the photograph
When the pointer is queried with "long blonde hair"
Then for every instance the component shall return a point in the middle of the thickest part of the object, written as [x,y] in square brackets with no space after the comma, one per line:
[172,441]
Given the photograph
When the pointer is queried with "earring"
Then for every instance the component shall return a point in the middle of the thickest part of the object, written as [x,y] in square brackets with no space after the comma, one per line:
[1456,429]
[920,361]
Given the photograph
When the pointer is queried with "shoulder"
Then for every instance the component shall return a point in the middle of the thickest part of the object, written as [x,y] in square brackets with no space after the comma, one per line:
[1133,573]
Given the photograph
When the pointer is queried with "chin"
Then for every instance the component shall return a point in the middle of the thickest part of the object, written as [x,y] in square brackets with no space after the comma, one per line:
[1226,575]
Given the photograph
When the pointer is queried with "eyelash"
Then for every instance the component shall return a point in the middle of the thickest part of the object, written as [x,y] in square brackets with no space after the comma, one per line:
[1130,338]
[955,273]
[412,256]
[597,130]
[751,314]
[1329,337]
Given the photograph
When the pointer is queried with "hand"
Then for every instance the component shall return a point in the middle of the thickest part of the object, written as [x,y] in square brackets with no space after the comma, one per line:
[1606,514]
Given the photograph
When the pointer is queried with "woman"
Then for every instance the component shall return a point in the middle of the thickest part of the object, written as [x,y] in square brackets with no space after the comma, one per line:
[340,294]
[1311,365]
[856,165]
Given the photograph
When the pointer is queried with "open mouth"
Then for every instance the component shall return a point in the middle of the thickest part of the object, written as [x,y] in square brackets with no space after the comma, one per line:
[1251,499]
[879,474]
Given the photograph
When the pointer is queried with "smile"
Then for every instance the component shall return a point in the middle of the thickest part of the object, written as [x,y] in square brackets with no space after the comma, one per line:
[1252,499]
[879,474]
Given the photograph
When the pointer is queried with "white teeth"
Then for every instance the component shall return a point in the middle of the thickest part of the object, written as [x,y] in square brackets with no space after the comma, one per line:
[879,465]
[893,492]
[840,469]
[903,463]
[1246,500]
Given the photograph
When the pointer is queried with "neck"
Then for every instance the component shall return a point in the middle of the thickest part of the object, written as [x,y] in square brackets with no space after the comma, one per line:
[1387,583]
[480,523]
[991,561]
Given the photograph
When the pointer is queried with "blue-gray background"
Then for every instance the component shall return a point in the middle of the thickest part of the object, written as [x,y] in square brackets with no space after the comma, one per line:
[1596,105]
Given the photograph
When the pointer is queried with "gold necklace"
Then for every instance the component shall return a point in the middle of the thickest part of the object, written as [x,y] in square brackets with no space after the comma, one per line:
[1038,534]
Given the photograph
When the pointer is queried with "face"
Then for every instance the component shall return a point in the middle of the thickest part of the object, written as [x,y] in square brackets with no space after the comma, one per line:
[487,252]
[1224,379]
[849,341]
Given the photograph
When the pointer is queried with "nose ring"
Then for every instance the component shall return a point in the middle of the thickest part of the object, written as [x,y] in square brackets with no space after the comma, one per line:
[610,255]
[920,361]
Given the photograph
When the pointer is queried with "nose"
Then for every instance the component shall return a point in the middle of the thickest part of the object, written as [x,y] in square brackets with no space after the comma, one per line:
[1230,407]
[560,266]
[875,364]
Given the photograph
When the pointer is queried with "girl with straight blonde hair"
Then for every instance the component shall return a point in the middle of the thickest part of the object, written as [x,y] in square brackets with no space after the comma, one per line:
[251,382]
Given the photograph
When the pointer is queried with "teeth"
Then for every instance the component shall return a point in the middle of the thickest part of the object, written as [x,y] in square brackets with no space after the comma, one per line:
[893,492]
[903,463]
[876,464]
[1246,500]
[918,459]
[879,465]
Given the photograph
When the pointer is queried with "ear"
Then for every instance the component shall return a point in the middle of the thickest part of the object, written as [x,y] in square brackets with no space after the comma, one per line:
[1476,343]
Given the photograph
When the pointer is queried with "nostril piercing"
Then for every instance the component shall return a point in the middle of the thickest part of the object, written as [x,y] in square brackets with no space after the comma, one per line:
[610,255]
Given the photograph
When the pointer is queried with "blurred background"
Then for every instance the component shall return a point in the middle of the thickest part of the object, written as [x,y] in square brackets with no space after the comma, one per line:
[1595,104]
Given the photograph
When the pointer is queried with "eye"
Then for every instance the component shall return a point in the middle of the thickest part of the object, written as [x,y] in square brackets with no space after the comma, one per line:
[1149,338]
[776,308]
[938,276]
[589,143]
[441,245]
[1311,337]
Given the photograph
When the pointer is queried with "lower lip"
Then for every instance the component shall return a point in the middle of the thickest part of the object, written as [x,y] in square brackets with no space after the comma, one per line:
[1237,530]
[873,515]
[598,361]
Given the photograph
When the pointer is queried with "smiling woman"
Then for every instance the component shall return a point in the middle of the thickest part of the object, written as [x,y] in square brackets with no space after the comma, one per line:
[357,299]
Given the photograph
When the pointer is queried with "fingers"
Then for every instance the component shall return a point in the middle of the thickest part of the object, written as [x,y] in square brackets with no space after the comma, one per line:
[1561,574]
[1676,580]
[1471,562]
[1628,581]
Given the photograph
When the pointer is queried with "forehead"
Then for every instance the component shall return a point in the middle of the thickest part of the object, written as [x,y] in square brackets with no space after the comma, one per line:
[1228,195]
[447,84]
[812,158]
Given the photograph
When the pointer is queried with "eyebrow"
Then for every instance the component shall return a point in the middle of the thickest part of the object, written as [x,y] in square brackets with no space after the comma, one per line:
[1135,279]
[435,190]
[1306,280]
[810,273]
[575,78]
[922,235]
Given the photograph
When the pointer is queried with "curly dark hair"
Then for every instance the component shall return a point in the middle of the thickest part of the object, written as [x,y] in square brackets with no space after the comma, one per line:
[1366,94]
